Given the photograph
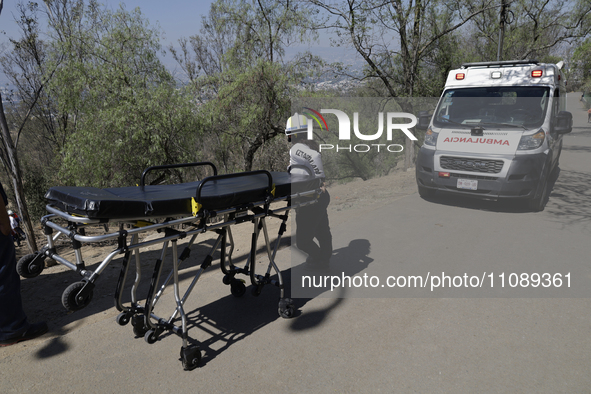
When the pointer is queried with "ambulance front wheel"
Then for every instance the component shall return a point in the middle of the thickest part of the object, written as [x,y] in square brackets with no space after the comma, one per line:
[538,203]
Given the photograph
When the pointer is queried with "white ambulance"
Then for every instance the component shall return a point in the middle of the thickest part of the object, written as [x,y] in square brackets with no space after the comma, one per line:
[496,132]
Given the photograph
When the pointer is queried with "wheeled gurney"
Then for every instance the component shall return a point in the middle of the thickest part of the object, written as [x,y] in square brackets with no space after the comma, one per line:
[174,212]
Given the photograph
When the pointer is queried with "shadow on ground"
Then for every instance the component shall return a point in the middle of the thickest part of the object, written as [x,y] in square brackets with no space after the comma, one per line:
[216,326]
[42,295]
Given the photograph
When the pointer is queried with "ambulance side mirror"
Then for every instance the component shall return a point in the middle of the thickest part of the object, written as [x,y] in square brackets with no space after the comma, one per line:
[424,119]
[563,122]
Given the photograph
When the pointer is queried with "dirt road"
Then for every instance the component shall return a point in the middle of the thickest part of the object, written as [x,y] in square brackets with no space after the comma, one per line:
[364,343]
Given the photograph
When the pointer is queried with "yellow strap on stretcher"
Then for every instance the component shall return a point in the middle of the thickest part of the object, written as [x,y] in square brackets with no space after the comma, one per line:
[195,206]
[79,216]
[273,191]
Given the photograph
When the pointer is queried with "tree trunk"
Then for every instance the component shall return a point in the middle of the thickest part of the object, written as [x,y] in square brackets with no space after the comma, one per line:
[17,182]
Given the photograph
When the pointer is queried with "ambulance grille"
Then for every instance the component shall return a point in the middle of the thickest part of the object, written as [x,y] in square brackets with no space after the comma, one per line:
[471,165]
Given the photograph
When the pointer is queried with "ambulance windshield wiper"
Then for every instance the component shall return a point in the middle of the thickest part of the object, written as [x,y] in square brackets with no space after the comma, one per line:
[501,124]
[450,121]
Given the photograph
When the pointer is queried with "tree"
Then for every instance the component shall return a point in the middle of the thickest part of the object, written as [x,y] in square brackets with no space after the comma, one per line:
[533,29]
[108,107]
[11,162]
[237,69]
[133,114]
[396,38]
[398,41]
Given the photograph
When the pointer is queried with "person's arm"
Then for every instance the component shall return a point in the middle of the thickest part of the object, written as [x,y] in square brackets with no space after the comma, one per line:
[317,162]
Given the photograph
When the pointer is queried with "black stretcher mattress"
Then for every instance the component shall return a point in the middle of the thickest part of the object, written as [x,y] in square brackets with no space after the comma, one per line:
[174,200]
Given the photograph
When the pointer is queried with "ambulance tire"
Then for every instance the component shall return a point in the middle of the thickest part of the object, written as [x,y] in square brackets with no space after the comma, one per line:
[538,203]
[558,158]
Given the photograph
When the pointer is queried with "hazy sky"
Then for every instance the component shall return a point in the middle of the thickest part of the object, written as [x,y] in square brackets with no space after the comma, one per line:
[177,18]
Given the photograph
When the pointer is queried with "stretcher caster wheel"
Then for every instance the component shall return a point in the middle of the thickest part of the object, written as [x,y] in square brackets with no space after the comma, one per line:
[74,299]
[227,279]
[151,336]
[190,357]
[237,288]
[30,265]
[286,308]
[122,318]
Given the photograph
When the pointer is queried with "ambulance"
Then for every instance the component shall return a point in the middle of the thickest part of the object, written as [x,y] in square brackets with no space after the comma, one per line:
[496,132]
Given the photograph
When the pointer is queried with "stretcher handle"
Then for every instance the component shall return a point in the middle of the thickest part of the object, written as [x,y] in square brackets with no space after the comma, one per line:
[235,175]
[166,166]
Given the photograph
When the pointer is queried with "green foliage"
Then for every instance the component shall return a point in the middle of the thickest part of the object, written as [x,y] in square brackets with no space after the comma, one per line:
[120,103]
[248,112]
[581,62]
[36,185]
[237,70]
[115,143]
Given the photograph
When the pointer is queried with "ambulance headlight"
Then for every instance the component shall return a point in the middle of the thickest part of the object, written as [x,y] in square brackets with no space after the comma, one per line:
[431,137]
[532,141]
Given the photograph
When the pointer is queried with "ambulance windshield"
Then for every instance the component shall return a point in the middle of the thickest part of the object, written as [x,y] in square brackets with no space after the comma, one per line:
[503,106]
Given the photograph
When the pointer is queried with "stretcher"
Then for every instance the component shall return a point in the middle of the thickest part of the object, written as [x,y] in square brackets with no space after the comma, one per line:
[147,215]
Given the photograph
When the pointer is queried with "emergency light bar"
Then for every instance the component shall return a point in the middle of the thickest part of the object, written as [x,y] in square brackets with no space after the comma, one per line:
[460,76]
[504,63]
[536,73]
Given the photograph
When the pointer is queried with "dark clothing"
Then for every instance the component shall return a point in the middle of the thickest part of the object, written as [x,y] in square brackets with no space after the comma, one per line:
[312,222]
[13,321]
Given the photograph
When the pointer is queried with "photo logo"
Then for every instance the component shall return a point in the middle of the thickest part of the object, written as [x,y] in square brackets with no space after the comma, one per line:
[315,115]
[345,129]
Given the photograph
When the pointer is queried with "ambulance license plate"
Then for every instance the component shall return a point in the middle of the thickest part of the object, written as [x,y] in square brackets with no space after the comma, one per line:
[469,184]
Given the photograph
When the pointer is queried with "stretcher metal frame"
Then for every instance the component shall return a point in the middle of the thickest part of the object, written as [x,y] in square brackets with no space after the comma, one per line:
[142,316]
